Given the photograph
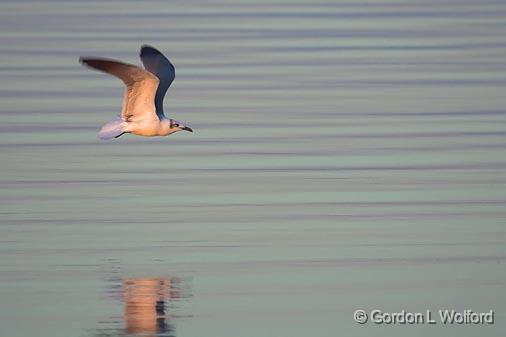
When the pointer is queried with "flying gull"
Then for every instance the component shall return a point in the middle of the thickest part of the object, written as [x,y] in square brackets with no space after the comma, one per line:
[142,112]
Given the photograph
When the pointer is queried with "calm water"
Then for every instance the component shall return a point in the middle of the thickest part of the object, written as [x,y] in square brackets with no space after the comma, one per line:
[346,155]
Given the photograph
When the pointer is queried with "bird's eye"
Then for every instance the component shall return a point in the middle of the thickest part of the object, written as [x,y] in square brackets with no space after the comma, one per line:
[176,125]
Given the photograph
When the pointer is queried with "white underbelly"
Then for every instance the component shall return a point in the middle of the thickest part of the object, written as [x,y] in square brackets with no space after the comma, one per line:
[146,129]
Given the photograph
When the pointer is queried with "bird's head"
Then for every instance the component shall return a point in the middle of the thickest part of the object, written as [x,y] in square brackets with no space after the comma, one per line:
[178,126]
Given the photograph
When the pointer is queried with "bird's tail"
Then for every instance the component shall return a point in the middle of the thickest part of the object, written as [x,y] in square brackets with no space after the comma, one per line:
[112,129]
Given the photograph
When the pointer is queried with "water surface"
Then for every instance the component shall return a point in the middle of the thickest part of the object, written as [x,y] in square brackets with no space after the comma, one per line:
[346,155]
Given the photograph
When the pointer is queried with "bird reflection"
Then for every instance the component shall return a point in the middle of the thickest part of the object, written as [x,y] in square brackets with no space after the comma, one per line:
[148,306]
[145,310]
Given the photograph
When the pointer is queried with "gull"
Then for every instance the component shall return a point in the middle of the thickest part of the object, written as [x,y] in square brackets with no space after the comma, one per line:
[142,112]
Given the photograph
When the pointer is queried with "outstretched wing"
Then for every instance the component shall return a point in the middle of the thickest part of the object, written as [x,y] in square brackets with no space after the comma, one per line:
[160,66]
[140,89]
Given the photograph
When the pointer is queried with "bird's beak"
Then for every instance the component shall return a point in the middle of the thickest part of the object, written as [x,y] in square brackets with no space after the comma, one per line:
[187,129]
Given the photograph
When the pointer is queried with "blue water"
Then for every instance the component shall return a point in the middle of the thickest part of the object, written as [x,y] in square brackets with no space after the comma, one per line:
[346,155]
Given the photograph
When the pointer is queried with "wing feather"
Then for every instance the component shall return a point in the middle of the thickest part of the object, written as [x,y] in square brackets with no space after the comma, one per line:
[141,87]
[156,63]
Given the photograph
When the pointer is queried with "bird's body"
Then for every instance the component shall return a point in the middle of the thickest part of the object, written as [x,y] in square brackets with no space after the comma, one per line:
[150,128]
[142,112]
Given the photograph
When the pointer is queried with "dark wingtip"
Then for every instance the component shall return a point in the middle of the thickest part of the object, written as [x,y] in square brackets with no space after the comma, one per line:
[147,49]
[93,61]
[89,62]
[84,61]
